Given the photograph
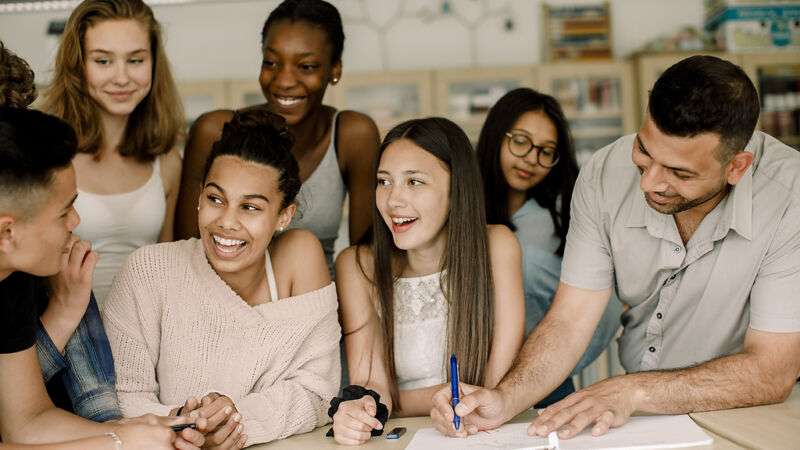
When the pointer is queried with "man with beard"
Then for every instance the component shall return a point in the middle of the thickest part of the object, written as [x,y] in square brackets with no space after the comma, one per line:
[695,220]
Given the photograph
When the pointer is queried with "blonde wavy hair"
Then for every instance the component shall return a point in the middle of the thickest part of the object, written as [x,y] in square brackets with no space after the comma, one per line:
[157,121]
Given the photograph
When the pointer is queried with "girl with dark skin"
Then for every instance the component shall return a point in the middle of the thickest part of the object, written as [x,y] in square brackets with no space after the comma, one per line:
[302,47]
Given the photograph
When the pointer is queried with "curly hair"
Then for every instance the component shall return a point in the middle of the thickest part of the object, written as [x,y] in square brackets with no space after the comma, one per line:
[262,137]
[17,89]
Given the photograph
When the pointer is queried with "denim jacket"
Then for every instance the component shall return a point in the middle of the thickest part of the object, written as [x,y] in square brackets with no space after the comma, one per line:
[86,368]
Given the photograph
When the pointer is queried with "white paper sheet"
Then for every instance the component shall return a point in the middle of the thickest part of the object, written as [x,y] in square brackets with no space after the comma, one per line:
[642,432]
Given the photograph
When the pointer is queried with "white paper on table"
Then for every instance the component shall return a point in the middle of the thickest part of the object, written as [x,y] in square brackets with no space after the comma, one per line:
[641,432]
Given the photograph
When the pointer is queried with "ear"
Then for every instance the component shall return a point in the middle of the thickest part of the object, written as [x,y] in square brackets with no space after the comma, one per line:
[285,216]
[738,166]
[7,223]
[336,72]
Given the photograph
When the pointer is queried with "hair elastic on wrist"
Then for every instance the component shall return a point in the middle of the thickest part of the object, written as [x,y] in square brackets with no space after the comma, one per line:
[355,392]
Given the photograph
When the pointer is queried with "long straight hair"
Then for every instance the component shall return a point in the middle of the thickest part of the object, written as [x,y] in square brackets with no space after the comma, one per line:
[156,122]
[558,184]
[466,273]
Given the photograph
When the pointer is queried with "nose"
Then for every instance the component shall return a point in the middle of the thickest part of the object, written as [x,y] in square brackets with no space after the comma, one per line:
[284,78]
[73,220]
[229,219]
[396,197]
[653,179]
[121,76]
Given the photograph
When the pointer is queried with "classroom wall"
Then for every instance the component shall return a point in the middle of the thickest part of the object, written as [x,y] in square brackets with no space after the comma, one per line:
[220,39]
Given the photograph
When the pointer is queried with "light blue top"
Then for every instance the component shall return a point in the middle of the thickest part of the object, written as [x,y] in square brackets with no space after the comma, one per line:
[542,272]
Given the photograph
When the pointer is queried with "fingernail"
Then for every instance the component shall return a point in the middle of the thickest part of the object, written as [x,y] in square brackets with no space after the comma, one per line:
[239,429]
[378,426]
[194,414]
[228,410]
[237,417]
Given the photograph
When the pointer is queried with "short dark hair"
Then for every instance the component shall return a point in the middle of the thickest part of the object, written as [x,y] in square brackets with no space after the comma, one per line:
[260,136]
[706,94]
[316,12]
[558,184]
[33,146]
[16,80]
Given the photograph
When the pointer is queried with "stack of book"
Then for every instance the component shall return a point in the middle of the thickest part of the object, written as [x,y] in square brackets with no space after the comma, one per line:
[577,32]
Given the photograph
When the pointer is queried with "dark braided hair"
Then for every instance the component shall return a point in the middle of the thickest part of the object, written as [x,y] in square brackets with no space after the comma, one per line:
[316,12]
[260,136]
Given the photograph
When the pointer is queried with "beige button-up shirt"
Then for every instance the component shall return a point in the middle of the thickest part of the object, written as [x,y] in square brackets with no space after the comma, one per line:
[690,303]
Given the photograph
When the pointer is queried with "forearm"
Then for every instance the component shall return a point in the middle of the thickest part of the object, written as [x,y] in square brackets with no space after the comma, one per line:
[416,402]
[729,382]
[55,425]
[93,443]
[546,359]
[59,325]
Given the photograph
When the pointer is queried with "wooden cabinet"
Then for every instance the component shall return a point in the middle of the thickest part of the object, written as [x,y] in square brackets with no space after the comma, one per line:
[598,99]
[465,95]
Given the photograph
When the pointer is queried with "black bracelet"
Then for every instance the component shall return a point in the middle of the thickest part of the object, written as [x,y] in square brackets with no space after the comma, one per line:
[355,392]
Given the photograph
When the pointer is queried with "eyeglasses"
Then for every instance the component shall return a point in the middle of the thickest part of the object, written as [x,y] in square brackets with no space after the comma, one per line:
[520,145]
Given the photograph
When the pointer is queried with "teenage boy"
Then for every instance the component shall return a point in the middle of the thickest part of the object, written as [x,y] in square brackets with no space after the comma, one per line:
[37,192]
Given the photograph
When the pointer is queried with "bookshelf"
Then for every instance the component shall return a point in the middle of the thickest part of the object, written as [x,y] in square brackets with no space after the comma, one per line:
[597,98]
[465,95]
[577,32]
[777,78]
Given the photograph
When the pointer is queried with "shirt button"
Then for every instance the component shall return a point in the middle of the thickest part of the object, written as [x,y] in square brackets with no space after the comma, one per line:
[659,316]
[652,349]
[673,276]
[677,250]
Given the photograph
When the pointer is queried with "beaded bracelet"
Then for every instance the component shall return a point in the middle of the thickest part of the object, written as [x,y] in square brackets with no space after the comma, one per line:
[116,439]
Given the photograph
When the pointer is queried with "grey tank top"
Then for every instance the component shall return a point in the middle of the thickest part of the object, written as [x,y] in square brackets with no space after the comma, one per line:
[320,200]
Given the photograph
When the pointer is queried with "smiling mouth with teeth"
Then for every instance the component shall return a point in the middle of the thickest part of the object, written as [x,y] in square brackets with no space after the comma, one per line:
[228,245]
[288,101]
[402,220]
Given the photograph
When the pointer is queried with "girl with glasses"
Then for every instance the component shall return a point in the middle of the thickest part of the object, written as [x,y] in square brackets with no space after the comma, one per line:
[529,169]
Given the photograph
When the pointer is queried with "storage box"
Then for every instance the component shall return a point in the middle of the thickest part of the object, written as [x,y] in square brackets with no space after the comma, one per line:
[756,27]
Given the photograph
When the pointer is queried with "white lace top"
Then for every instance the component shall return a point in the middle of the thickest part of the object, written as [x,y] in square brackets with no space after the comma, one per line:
[420,329]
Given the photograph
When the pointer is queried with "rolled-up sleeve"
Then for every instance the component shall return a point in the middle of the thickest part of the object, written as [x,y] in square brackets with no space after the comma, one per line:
[587,260]
[774,301]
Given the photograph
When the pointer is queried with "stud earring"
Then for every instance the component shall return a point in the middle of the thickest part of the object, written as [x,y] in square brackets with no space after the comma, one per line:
[198,207]
[280,229]
[334,80]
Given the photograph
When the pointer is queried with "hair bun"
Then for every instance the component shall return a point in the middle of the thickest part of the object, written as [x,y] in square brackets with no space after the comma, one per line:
[260,118]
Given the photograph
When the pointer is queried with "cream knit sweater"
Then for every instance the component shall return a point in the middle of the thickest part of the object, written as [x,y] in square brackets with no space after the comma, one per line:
[177,331]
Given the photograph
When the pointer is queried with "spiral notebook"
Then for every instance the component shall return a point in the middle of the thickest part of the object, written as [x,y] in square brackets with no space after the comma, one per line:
[641,432]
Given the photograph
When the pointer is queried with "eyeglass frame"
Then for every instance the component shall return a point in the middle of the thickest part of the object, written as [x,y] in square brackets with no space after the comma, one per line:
[538,148]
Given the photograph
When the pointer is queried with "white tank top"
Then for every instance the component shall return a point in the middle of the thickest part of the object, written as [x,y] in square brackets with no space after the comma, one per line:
[118,224]
[420,331]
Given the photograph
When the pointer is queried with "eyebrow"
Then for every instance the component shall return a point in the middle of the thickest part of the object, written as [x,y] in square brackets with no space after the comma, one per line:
[100,50]
[530,136]
[71,202]
[643,149]
[405,172]
[301,55]
[246,196]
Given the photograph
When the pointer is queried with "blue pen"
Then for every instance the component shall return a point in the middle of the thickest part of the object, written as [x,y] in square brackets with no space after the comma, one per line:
[454,388]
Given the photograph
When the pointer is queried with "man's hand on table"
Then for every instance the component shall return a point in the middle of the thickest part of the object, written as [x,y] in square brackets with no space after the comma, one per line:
[604,405]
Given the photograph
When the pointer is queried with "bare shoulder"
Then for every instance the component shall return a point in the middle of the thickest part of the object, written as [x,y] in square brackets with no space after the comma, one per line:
[357,131]
[209,125]
[298,255]
[354,264]
[502,241]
